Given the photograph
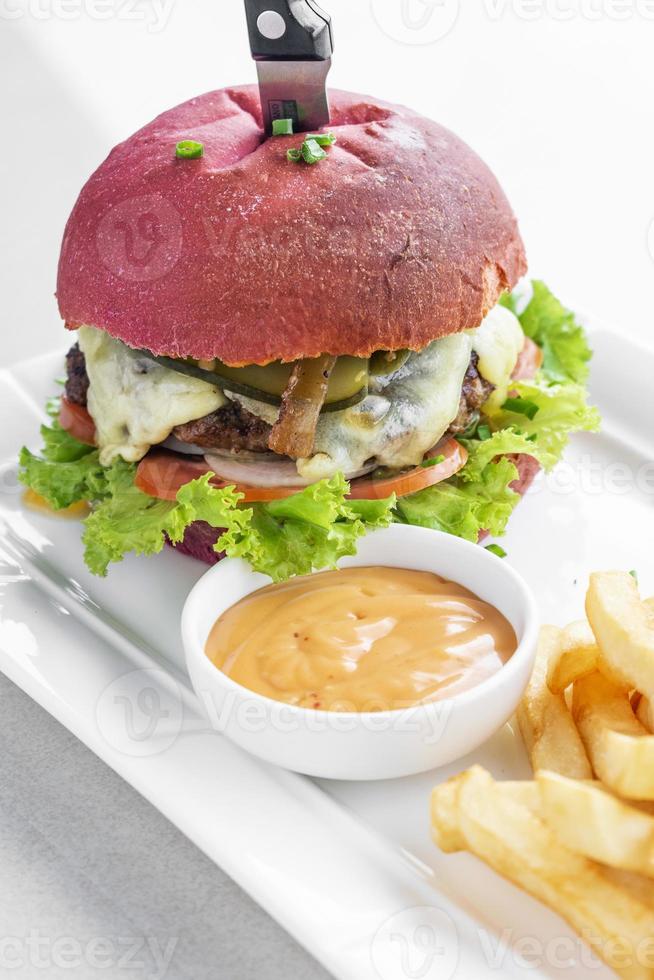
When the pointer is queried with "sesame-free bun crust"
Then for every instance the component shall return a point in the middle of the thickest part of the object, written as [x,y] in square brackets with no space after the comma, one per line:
[402,235]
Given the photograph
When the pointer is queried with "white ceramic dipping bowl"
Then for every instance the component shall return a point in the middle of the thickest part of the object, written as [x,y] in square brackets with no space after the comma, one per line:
[367,745]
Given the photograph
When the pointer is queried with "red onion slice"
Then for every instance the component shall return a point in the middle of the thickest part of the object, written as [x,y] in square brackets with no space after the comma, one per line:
[270,471]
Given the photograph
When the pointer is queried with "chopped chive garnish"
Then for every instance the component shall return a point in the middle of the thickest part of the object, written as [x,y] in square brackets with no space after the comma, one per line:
[426,463]
[634,575]
[312,152]
[282,127]
[495,549]
[483,432]
[189,150]
[532,438]
[322,139]
[521,406]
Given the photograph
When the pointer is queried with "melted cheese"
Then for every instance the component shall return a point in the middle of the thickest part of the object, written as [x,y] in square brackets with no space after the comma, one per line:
[135,402]
[406,414]
[497,343]
[402,417]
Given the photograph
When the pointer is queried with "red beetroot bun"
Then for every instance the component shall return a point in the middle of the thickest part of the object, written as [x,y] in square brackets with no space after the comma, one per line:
[401,236]
[198,542]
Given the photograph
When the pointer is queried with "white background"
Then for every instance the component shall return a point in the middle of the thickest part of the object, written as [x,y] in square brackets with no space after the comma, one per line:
[556,95]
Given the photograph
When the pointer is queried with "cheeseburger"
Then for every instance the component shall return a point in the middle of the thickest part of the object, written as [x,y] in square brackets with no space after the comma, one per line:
[281,342]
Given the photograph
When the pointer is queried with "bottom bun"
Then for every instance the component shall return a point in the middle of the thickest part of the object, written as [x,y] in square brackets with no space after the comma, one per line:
[198,541]
[200,537]
[528,469]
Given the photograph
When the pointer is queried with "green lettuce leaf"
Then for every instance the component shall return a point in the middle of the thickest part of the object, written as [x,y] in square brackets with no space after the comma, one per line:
[66,472]
[128,520]
[311,529]
[506,441]
[556,331]
[479,497]
[562,409]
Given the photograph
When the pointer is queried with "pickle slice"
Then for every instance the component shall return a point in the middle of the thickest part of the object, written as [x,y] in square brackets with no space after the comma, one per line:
[349,376]
[348,383]
[385,362]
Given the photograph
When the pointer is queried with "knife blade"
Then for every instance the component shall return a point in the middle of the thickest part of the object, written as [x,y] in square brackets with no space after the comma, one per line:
[292,44]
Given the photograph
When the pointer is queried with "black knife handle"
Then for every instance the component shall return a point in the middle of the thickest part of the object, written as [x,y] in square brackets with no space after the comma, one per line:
[307,35]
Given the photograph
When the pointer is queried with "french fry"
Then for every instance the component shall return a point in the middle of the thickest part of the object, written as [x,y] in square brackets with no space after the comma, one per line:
[525,792]
[593,822]
[518,845]
[545,721]
[645,713]
[619,747]
[575,657]
[638,886]
[444,809]
[583,846]
[623,629]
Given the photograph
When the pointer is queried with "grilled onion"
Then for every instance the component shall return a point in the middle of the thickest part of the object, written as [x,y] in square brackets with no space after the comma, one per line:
[294,431]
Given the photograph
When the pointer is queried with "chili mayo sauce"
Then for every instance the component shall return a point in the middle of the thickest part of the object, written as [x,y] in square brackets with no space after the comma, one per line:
[361,639]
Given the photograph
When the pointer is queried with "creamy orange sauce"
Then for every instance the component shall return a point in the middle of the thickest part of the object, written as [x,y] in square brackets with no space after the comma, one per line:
[361,639]
[36,502]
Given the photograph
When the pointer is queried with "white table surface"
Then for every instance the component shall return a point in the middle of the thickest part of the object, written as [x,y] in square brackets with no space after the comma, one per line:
[558,99]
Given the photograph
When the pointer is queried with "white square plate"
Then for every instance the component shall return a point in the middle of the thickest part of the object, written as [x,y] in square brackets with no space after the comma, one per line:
[347,868]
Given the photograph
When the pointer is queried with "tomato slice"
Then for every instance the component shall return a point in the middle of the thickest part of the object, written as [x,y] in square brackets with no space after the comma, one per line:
[161,474]
[454,455]
[76,420]
[529,361]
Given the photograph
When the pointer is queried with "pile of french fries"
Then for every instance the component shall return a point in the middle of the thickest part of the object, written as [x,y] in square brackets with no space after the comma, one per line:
[580,835]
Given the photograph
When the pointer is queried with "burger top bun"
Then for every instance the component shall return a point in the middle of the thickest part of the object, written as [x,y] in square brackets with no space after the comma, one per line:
[400,236]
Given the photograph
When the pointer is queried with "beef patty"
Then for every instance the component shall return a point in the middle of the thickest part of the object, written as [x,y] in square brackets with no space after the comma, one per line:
[77,380]
[475,391]
[229,427]
[232,427]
